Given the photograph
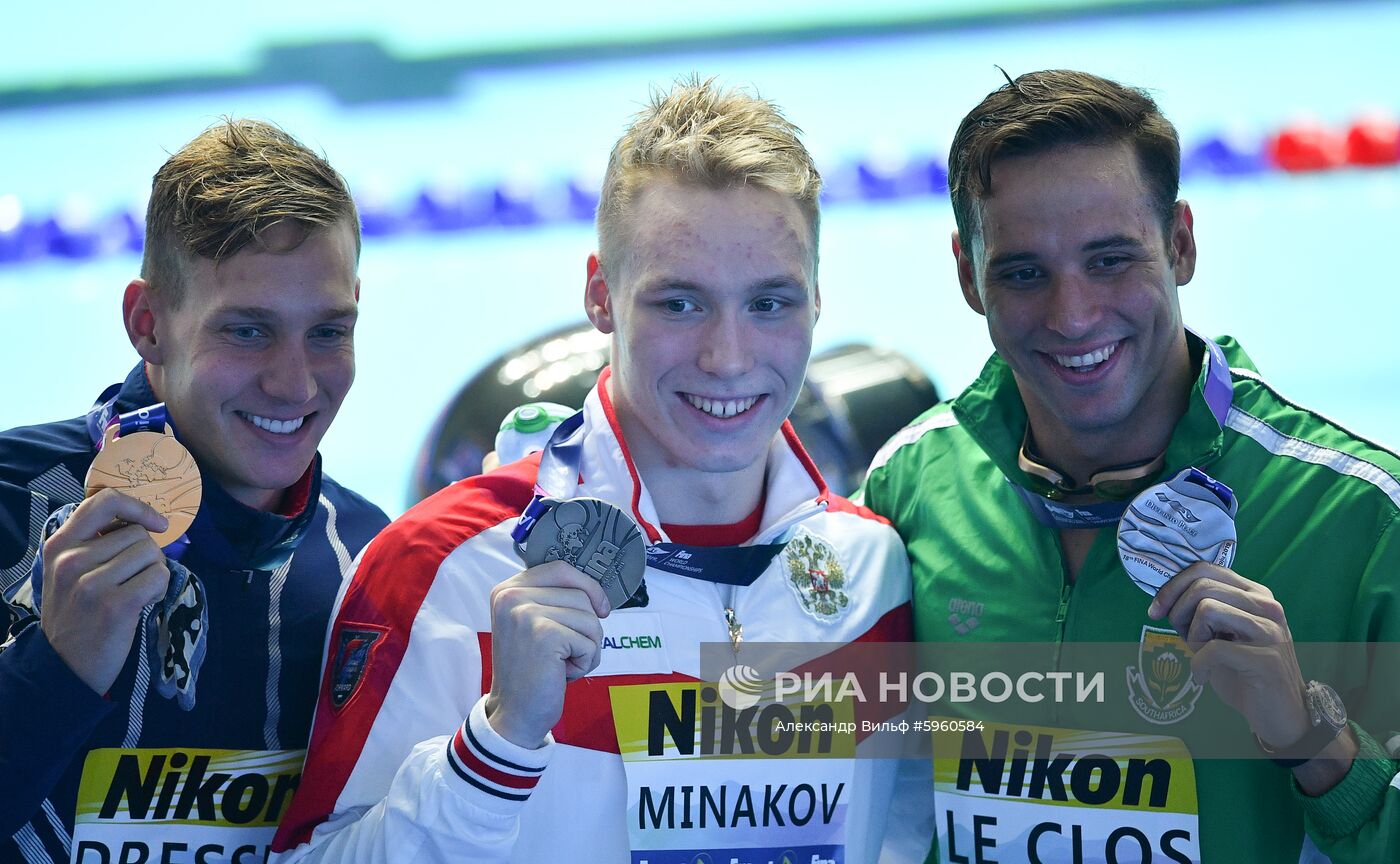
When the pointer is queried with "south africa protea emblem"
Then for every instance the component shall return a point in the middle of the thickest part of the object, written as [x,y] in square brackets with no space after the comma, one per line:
[1160,688]
[816,577]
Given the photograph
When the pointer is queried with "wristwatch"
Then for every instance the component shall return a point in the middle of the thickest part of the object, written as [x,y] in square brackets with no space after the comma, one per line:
[1329,718]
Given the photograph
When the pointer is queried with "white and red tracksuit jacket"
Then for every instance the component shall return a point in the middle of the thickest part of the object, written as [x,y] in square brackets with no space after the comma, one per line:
[402,764]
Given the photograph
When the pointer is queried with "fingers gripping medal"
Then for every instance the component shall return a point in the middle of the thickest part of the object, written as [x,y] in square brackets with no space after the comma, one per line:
[151,466]
[1172,525]
[596,538]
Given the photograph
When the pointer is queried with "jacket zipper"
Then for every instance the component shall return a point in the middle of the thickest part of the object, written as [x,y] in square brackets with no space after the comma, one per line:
[1062,613]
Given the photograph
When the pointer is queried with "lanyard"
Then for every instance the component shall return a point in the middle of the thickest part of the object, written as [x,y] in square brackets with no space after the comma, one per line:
[558,475]
[1218,392]
[103,414]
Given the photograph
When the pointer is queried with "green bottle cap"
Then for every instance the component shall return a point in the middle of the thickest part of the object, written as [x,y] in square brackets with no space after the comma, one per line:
[526,419]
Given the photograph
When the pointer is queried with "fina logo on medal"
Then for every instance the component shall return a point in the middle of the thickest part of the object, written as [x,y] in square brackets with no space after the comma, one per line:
[816,577]
[1178,507]
[1160,688]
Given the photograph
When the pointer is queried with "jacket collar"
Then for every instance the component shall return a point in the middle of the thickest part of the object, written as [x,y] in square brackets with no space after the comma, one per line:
[608,472]
[225,530]
[992,412]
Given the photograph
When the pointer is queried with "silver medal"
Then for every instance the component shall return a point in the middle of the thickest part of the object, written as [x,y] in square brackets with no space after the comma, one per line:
[596,538]
[1172,525]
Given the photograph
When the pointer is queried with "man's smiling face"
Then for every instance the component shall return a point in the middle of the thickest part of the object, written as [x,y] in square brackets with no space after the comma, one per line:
[712,310]
[255,358]
[1079,286]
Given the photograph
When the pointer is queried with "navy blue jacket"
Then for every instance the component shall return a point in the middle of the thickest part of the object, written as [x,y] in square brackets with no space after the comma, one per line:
[263,633]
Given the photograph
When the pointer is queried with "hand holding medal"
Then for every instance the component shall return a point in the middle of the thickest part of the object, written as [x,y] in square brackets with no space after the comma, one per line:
[105,563]
[1241,643]
[583,558]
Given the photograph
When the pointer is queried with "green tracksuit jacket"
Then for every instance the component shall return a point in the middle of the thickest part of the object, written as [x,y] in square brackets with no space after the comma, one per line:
[1316,524]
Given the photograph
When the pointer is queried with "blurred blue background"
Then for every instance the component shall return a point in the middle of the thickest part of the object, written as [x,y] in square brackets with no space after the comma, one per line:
[522,105]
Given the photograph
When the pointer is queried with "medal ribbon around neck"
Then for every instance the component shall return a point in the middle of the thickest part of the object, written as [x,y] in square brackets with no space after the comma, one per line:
[138,454]
[558,474]
[1218,392]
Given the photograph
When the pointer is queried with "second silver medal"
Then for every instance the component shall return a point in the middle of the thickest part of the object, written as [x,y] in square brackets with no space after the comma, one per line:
[594,537]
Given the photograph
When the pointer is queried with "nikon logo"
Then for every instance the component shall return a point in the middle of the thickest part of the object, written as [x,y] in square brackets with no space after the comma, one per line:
[1092,779]
[178,787]
[773,729]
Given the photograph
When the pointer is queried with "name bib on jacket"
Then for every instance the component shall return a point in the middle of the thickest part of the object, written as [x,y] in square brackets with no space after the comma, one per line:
[179,804]
[712,778]
[1013,793]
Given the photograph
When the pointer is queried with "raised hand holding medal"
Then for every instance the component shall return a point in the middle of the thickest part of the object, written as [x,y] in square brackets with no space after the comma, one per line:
[1241,643]
[105,562]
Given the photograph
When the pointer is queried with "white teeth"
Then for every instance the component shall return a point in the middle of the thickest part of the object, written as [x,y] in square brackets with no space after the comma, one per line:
[723,408]
[1079,361]
[276,427]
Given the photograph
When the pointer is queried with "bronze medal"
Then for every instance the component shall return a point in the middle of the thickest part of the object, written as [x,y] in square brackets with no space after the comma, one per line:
[153,468]
[596,538]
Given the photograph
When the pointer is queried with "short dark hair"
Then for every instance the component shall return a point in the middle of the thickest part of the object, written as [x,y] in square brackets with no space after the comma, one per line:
[217,193]
[1040,111]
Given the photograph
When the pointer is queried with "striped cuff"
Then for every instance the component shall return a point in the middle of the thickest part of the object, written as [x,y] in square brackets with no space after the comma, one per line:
[492,765]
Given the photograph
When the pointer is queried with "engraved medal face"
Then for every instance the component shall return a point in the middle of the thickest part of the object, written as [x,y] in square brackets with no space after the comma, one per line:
[597,539]
[1169,527]
[154,468]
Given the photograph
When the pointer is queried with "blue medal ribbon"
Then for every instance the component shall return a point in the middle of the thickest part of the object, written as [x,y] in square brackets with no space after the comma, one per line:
[558,472]
[1218,392]
[1056,514]
[1220,490]
[151,419]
